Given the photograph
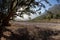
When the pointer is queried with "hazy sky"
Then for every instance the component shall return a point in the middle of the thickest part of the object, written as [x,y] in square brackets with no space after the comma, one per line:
[53,2]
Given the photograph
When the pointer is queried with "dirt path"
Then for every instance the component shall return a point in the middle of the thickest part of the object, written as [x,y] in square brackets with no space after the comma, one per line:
[34,24]
[31,27]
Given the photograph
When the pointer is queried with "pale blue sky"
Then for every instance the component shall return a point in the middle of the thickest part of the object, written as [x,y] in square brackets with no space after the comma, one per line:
[53,2]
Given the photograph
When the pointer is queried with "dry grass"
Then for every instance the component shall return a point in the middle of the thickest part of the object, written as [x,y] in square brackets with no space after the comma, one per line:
[33,31]
[46,20]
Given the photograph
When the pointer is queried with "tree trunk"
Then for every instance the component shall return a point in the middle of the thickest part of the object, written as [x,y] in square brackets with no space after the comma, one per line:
[6,20]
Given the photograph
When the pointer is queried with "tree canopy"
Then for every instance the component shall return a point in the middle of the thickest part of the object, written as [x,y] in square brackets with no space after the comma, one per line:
[9,7]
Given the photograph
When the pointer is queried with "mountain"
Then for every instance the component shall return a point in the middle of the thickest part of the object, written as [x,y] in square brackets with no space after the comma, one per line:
[54,11]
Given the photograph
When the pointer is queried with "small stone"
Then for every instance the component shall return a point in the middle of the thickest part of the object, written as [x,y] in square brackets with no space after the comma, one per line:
[7,33]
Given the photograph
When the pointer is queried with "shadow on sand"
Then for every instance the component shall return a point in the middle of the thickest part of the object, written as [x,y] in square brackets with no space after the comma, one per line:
[25,34]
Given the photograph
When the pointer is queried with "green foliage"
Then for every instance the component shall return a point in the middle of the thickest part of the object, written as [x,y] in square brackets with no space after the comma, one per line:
[10,7]
[14,5]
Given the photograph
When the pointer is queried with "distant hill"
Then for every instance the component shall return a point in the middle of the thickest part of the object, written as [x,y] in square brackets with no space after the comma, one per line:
[54,11]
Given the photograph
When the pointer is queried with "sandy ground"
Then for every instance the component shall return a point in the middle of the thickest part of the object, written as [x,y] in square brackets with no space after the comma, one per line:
[55,26]
[30,25]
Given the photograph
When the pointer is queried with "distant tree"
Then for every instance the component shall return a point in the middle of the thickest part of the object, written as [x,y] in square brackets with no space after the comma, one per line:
[50,15]
[57,16]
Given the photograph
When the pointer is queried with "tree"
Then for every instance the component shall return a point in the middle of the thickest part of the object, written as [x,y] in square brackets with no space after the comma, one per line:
[8,9]
[50,15]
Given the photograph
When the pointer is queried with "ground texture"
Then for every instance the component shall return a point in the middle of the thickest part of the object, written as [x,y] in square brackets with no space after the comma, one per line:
[32,31]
